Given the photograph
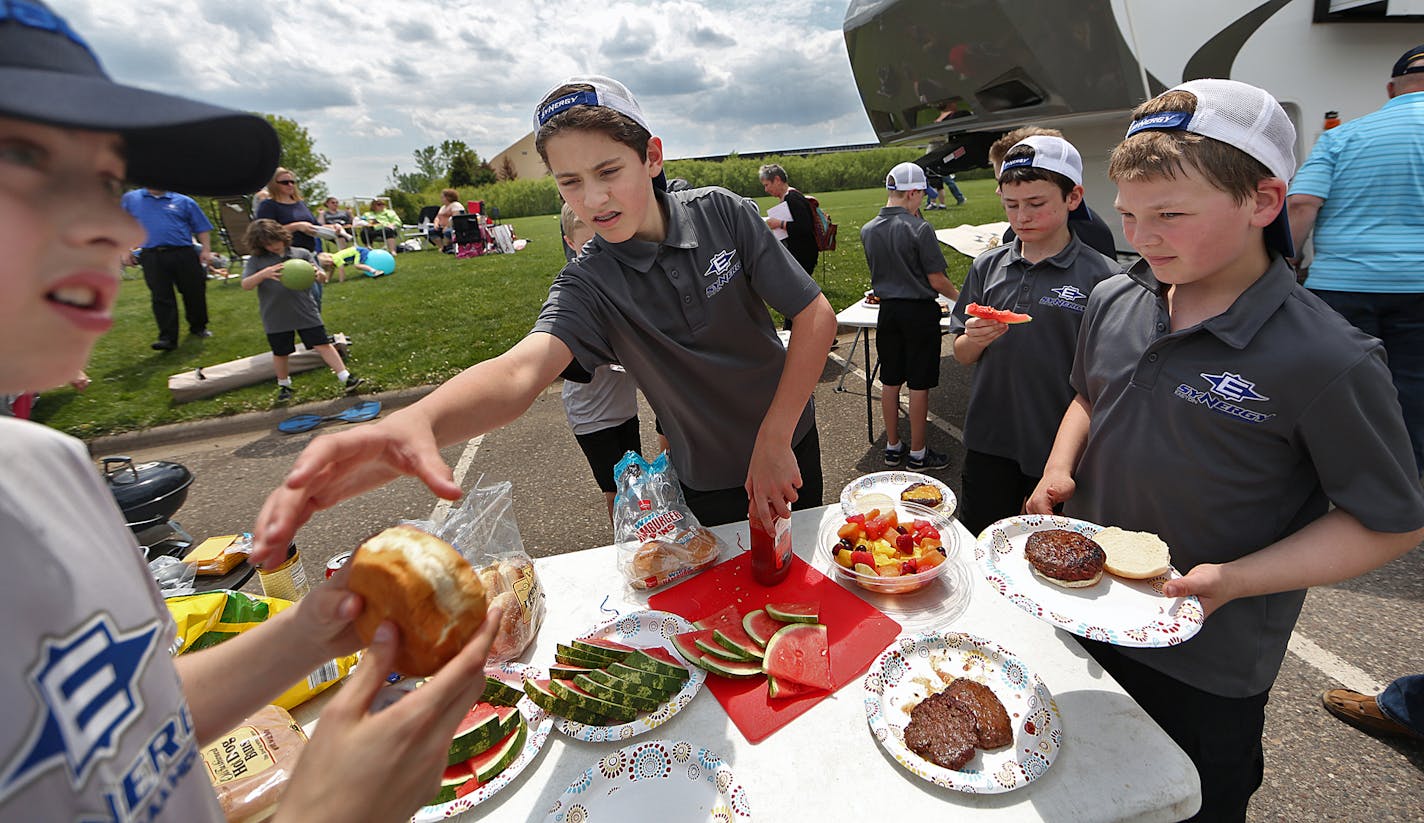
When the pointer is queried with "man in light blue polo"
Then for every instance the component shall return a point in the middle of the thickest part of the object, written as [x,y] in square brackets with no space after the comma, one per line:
[169,260]
[1362,191]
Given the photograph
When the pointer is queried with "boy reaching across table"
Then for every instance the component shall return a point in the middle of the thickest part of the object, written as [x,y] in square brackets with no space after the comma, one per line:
[674,288]
[1020,386]
[100,722]
[1224,407]
[907,272]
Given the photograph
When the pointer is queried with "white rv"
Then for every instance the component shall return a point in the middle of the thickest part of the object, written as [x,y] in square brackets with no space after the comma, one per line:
[959,73]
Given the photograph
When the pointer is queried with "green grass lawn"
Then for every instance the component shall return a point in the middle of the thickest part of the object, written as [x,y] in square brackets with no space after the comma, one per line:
[434,317]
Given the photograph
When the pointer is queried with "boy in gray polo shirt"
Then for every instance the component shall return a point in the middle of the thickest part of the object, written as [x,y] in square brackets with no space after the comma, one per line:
[675,288]
[907,274]
[1020,386]
[1224,407]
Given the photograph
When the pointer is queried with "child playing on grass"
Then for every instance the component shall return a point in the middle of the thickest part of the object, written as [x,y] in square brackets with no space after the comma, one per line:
[354,256]
[1020,386]
[674,288]
[100,721]
[603,412]
[907,272]
[1225,407]
[288,313]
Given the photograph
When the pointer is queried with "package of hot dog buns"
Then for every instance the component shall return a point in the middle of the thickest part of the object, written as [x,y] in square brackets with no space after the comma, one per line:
[484,531]
[659,538]
[249,766]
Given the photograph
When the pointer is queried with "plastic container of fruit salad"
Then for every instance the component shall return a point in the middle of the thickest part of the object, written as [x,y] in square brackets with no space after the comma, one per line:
[905,565]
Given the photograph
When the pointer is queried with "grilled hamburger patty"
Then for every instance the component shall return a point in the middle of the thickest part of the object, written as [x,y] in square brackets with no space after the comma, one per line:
[1064,555]
[991,720]
[942,732]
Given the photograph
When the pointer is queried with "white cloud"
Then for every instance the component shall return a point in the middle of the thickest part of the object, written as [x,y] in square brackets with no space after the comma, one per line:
[371,87]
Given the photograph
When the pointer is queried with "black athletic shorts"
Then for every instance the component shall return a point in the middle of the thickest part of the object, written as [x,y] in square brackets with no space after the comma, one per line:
[605,447]
[907,339]
[284,343]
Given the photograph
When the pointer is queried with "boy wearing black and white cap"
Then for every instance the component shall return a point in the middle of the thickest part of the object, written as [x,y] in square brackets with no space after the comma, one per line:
[907,274]
[674,287]
[1020,387]
[1224,407]
[100,722]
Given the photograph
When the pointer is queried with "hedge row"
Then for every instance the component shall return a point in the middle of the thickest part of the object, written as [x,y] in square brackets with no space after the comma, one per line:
[813,173]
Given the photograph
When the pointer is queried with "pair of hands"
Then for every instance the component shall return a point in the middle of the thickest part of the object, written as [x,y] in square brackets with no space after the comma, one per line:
[383,766]
[1210,582]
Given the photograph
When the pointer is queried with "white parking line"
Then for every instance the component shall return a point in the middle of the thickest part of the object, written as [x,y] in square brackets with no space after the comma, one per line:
[1336,668]
[934,419]
[462,468]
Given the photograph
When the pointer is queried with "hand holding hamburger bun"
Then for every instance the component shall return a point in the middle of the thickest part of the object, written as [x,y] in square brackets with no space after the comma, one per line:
[424,586]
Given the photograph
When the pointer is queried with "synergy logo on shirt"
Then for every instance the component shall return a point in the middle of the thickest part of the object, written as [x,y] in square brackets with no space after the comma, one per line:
[86,685]
[722,268]
[1064,297]
[1224,392]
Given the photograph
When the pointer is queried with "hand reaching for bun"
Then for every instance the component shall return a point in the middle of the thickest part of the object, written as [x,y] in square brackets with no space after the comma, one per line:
[363,766]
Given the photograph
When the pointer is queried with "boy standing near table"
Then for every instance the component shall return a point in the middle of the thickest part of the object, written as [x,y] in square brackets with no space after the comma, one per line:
[1020,386]
[675,288]
[1224,407]
[907,274]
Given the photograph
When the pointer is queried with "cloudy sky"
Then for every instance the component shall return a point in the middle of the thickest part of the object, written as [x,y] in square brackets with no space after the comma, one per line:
[373,81]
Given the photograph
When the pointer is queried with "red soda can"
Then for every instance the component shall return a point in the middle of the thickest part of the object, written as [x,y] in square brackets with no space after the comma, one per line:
[334,564]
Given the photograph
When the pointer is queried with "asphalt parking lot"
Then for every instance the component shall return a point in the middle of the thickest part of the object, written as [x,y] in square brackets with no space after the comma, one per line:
[1360,634]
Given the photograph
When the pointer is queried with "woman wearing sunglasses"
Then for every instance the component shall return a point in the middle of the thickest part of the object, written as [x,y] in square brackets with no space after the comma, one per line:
[287,207]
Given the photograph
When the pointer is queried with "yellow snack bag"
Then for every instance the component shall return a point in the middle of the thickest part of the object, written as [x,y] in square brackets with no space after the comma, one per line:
[209,619]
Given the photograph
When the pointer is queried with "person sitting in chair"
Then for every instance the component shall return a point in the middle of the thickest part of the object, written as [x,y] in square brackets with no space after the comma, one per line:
[443,232]
[381,223]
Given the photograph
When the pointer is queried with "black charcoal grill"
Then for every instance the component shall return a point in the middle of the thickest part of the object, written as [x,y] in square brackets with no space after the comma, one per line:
[149,494]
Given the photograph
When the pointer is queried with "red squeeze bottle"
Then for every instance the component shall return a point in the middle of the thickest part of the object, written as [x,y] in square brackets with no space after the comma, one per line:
[1332,119]
[771,549]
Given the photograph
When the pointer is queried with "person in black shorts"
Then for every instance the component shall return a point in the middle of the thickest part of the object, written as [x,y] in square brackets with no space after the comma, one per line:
[907,272]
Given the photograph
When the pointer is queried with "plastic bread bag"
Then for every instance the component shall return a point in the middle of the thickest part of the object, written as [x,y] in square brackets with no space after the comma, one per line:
[484,531]
[249,766]
[659,539]
[205,620]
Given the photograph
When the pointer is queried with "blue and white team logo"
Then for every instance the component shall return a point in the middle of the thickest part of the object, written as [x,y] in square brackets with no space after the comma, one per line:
[721,269]
[1225,391]
[86,685]
[1065,297]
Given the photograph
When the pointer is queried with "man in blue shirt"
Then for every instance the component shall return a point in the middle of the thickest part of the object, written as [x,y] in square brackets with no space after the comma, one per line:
[1362,192]
[168,259]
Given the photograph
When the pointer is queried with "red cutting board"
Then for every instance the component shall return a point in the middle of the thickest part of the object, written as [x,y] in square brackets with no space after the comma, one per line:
[856,631]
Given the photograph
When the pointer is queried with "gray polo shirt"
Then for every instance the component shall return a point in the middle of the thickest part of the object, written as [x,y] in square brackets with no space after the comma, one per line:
[283,309]
[687,319]
[1228,436]
[1020,386]
[902,252]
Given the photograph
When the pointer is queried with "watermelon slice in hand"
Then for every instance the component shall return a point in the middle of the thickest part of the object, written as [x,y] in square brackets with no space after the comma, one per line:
[799,653]
[997,315]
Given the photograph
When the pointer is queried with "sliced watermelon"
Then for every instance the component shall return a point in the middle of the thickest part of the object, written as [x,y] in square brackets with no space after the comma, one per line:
[605,643]
[736,640]
[657,661]
[464,777]
[585,655]
[794,612]
[572,693]
[565,672]
[785,688]
[999,315]
[726,617]
[629,687]
[800,653]
[454,776]
[603,691]
[760,626]
[544,698]
[482,726]
[686,645]
[711,648]
[500,692]
[595,649]
[665,682]
[727,668]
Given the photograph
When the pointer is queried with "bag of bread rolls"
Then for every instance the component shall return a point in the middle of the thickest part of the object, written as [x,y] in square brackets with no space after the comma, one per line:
[659,538]
[484,531]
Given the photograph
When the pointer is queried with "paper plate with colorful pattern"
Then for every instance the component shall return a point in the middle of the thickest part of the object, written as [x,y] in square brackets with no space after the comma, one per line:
[916,666]
[870,491]
[653,782]
[1115,610]
[643,629]
[540,722]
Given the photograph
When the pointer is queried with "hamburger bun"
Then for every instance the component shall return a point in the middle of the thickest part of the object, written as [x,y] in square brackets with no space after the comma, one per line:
[425,587]
[1133,555]
[1068,584]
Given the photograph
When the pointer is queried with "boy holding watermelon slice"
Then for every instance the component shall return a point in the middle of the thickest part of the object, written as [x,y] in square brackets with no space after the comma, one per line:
[1020,385]
[1223,406]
